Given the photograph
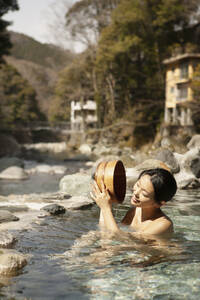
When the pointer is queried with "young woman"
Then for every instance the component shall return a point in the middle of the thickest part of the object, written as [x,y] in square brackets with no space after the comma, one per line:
[152,190]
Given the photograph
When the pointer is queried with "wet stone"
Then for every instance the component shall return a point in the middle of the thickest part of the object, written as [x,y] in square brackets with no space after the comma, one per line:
[6,216]
[54,209]
[6,239]
[11,262]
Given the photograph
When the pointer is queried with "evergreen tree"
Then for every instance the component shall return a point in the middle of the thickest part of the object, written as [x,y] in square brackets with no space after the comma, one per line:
[5,44]
[18,103]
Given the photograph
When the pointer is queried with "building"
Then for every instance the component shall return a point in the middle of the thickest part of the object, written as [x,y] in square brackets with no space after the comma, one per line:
[83,114]
[179,73]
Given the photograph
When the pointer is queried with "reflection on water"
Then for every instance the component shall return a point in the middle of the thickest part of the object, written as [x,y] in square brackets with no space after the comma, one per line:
[71,259]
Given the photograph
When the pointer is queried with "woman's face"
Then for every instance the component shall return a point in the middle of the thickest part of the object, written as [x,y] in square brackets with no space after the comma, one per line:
[143,193]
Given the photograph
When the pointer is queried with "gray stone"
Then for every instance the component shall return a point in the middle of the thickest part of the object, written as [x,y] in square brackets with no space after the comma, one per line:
[133,173]
[11,262]
[186,180]
[78,202]
[194,142]
[195,166]
[6,239]
[76,184]
[6,216]
[14,208]
[167,156]
[14,173]
[54,209]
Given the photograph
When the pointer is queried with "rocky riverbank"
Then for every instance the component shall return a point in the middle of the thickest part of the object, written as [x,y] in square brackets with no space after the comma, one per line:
[73,172]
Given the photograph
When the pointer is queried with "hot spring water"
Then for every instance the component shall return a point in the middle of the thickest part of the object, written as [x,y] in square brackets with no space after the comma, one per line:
[71,259]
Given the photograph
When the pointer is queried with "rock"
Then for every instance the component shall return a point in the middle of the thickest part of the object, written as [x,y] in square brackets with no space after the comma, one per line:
[54,209]
[78,202]
[14,208]
[194,142]
[11,262]
[9,146]
[6,239]
[185,160]
[167,143]
[14,173]
[186,180]
[47,147]
[76,184]
[85,149]
[151,164]
[167,156]
[133,173]
[6,216]
[195,166]
[7,162]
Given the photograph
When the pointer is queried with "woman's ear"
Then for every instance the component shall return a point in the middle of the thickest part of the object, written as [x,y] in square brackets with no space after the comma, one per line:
[162,203]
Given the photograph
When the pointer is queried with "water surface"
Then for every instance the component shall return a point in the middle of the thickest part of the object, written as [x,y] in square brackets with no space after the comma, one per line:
[70,259]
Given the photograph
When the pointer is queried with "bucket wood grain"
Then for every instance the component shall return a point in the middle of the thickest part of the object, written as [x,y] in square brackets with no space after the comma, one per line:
[113,174]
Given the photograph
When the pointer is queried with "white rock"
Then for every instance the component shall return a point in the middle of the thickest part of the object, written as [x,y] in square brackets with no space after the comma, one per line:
[76,184]
[11,261]
[85,149]
[14,173]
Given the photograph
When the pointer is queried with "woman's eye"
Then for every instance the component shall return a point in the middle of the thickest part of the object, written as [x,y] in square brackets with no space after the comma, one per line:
[145,195]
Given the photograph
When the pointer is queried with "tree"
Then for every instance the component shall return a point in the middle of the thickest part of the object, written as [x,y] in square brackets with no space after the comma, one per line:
[86,19]
[74,83]
[131,50]
[18,103]
[5,44]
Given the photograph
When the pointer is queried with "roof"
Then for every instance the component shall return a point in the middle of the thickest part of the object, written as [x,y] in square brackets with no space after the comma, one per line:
[180,57]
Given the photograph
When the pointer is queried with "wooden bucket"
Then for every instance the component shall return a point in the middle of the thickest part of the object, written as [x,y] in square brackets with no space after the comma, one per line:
[113,174]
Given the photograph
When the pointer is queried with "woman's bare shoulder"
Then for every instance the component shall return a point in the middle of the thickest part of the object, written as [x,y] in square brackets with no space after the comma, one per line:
[161,225]
[129,216]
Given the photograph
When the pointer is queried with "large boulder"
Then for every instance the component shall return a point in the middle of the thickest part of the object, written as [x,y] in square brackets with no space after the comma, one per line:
[194,142]
[11,262]
[76,184]
[167,156]
[133,173]
[6,216]
[14,172]
[186,180]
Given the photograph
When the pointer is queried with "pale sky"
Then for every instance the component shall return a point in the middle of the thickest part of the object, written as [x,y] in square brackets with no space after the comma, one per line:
[35,17]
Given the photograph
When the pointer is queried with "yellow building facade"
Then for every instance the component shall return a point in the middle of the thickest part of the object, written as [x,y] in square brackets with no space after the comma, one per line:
[178,91]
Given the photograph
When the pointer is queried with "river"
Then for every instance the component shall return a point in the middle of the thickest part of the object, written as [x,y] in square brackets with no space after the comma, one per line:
[70,259]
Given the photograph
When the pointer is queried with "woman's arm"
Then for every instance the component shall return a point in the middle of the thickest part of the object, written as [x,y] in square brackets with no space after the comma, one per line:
[103,200]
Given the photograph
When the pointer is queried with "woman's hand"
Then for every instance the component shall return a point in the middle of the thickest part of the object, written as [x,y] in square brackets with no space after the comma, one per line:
[101,197]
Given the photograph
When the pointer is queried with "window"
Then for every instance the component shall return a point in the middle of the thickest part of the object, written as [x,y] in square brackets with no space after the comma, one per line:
[182,92]
[184,71]
[171,90]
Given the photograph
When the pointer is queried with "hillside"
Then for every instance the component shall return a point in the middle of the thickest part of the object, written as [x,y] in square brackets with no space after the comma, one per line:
[39,64]
[27,48]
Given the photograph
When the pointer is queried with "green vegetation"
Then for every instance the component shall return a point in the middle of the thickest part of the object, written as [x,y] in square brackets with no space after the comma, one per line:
[5,44]
[18,103]
[46,55]
[121,69]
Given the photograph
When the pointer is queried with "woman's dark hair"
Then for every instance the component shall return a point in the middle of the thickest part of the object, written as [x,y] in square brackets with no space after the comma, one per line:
[163,182]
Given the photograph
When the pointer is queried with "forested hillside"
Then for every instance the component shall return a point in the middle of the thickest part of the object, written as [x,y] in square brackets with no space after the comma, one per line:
[39,64]
[47,55]
[122,67]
